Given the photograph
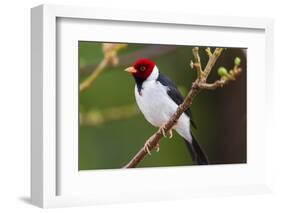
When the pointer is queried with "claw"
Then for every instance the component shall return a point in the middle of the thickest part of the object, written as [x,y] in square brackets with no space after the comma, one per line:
[170,133]
[157,147]
[163,132]
[146,147]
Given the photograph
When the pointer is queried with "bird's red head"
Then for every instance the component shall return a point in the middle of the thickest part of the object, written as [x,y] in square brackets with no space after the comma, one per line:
[142,68]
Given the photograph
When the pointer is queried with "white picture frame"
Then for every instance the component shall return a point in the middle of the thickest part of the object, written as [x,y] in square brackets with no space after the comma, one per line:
[45,165]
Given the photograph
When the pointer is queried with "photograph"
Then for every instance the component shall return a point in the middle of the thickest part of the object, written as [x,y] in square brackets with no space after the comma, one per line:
[161,105]
[140,106]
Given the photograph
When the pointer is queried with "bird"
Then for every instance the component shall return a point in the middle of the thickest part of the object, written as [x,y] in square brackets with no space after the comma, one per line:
[158,99]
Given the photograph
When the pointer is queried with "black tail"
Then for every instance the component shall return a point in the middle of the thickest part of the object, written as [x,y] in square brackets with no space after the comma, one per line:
[197,154]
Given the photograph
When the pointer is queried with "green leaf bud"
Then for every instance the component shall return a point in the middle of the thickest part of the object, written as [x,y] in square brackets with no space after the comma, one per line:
[237,61]
[223,72]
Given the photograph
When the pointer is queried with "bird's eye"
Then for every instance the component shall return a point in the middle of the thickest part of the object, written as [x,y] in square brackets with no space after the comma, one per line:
[142,68]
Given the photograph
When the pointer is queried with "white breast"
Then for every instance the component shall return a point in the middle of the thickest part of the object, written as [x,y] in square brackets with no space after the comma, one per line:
[157,107]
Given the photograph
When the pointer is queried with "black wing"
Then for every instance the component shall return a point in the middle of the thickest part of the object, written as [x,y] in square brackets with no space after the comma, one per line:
[174,94]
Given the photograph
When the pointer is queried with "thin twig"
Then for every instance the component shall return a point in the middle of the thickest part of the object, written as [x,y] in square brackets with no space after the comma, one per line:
[212,60]
[151,51]
[221,82]
[90,80]
[110,57]
[198,85]
[197,60]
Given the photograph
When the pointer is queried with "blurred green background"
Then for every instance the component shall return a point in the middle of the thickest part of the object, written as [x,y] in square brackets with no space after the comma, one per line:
[112,129]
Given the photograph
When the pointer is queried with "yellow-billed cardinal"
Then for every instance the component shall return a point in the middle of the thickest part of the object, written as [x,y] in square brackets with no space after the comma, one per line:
[158,98]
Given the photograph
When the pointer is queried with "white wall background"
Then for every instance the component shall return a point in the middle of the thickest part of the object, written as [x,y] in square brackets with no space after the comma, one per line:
[15,115]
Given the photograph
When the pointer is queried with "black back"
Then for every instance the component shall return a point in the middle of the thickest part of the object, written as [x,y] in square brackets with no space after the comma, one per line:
[174,94]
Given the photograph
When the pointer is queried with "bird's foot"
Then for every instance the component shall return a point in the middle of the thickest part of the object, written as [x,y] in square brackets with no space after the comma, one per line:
[147,147]
[157,147]
[170,133]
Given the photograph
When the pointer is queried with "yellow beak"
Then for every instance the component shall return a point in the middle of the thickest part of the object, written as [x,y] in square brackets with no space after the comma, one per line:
[131,70]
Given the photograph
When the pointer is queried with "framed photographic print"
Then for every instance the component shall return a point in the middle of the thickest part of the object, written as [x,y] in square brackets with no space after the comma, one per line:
[128,102]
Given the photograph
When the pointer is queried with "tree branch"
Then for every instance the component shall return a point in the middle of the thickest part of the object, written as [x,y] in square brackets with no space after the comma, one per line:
[212,60]
[198,85]
[110,57]
[197,60]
